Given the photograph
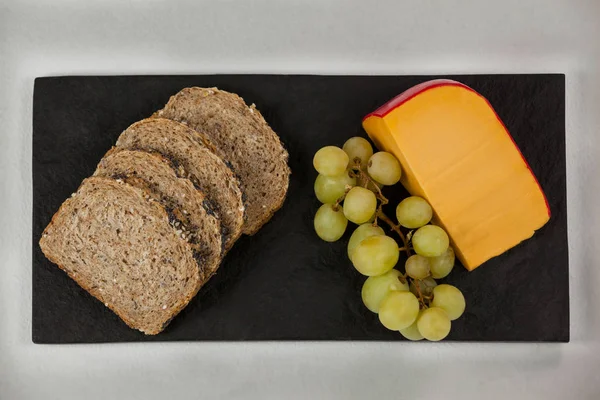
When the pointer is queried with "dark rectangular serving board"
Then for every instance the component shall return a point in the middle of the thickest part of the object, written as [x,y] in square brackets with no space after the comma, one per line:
[284,283]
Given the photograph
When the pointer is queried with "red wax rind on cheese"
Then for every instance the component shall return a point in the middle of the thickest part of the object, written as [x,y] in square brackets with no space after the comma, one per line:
[456,153]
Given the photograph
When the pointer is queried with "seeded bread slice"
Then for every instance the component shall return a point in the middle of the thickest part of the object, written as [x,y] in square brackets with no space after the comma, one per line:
[242,137]
[193,160]
[194,220]
[122,249]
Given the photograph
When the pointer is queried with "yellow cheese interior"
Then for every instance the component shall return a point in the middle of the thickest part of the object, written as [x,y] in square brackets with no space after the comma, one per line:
[456,153]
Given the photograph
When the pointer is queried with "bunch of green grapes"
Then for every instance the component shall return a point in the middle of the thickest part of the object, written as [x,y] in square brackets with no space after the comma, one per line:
[349,186]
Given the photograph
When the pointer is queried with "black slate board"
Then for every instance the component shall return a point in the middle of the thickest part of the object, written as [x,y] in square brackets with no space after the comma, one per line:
[284,283]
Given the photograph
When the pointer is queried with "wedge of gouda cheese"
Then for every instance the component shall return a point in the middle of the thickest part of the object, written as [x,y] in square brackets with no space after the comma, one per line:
[456,153]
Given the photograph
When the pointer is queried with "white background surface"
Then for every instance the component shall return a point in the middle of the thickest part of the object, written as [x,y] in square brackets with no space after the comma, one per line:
[329,36]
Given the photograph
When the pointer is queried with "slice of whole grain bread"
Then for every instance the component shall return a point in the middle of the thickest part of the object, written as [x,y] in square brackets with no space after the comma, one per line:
[121,247]
[194,220]
[242,137]
[192,159]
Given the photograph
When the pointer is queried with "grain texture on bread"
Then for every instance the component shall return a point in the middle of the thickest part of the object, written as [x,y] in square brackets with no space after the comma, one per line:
[194,160]
[242,137]
[195,221]
[122,248]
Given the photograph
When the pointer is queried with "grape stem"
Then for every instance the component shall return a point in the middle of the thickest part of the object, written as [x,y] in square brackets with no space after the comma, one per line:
[396,229]
[342,197]
[365,179]
[420,296]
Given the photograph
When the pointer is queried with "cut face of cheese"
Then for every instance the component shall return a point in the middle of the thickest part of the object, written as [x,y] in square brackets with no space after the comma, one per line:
[456,153]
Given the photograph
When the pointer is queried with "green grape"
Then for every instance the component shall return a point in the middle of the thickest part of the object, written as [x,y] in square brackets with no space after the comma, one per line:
[414,212]
[450,299]
[398,310]
[362,232]
[357,147]
[330,161]
[417,267]
[359,205]
[376,288]
[384,168]
[430,241]
[441,266]
[425,285]
[375,255]
[330,225]
[434,324]
[372,219]
[412,332]
[330,188]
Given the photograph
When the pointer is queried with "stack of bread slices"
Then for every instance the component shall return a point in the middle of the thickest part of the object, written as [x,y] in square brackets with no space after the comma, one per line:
[164,205]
